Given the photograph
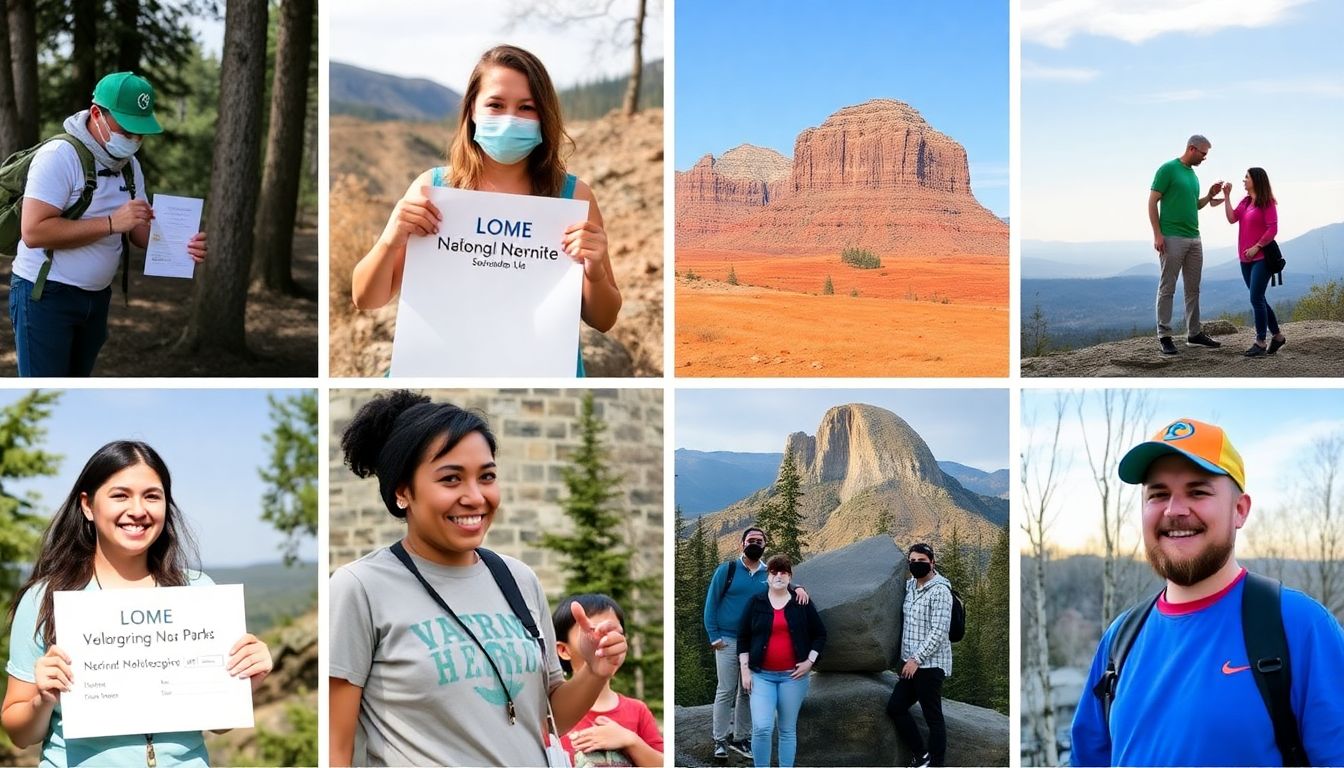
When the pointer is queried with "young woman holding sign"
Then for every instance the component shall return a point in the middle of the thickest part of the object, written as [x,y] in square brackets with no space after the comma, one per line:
[443,653]
[118,528]
[509,139]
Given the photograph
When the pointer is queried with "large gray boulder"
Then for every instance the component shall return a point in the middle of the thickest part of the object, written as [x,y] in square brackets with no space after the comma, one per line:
[859,591]
[844,722]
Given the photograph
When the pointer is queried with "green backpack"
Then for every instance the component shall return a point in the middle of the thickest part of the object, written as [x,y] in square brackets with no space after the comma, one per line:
[13,180]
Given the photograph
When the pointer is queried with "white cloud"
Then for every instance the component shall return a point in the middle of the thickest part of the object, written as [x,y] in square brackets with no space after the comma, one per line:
[1034,71]
[1054,22]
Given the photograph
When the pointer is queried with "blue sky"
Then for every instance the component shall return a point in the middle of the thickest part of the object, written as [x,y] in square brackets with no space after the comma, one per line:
[968,426]
[1273,430]
[1113,88]
[211,440]
[762,71]
[442,40]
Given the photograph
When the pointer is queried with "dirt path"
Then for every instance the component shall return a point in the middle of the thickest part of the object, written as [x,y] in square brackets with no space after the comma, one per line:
[281,331]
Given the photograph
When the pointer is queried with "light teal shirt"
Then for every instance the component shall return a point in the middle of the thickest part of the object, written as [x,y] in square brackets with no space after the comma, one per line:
[26,646]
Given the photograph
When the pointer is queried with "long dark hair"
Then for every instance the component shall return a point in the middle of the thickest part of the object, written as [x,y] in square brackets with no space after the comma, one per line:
[545,166]
[65,561]
[1261,194]
[392,434]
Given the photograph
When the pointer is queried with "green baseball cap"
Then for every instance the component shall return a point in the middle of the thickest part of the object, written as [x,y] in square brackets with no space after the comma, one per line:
[130,99]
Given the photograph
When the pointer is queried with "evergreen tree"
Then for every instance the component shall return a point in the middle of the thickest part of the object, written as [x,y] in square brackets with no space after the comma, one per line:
[994,637]
[732,275]
[597,558]
[783,520]
[21,457]
[694,674]
[290,501]
[883,525]
[829,288]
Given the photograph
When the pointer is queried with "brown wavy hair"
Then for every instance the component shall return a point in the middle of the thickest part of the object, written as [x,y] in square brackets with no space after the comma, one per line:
[545,165]
[65,561]
[1261,193]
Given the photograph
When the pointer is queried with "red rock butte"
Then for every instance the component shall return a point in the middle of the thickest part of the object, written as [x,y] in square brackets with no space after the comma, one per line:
[875,175]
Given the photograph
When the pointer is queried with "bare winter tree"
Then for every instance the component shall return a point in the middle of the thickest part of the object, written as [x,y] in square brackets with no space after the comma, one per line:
[1125,415]
[220,299]
[284,149]
[1321,521]
[1042,468]
[23,53]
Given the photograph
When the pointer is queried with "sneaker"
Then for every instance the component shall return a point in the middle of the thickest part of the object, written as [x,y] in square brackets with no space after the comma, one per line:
[1167,347]
[921,761]
[1256,351]
[720,751]
[742,748]
[1203,340]
[1275,345]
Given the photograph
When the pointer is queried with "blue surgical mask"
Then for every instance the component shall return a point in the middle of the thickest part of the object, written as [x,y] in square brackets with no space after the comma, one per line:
[505,138]
[119,146]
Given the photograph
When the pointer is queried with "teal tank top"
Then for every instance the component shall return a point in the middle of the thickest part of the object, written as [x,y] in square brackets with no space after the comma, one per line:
[566,192]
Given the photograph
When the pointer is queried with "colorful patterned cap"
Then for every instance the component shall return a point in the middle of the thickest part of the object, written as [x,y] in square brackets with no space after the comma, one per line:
[1204,444]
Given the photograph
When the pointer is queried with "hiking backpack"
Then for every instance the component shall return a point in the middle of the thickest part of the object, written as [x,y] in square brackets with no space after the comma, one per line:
[957,629]
[1266,650]
[728,582]
[13,180]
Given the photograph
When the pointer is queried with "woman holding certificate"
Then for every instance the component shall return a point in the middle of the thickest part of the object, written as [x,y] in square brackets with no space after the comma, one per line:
[117,529]
[443,652]
[509,139]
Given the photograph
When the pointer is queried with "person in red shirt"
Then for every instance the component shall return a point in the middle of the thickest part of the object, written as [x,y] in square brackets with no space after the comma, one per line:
[1257,220]
[618,730]
[777,644]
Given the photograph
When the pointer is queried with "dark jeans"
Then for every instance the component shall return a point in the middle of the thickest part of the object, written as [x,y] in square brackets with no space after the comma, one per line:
[60,335]
[926,687]
[1256,275]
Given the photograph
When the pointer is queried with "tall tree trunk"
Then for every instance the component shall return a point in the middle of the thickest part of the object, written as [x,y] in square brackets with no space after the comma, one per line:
[637,71]
[23,53]
[10,135]
[129,42]
[83,55]
[284,149]
[220,299]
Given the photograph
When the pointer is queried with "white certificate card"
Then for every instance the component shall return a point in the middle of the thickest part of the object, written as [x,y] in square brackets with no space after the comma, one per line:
[176,221]
[152,660]
[494,293]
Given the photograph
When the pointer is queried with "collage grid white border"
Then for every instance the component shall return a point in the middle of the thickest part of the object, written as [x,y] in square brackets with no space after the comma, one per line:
[1013,382]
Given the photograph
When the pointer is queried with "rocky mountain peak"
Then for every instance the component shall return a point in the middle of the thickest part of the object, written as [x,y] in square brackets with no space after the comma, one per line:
[862,446]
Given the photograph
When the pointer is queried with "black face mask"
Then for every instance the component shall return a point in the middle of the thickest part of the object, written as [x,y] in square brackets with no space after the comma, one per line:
[754,551]
[919,570]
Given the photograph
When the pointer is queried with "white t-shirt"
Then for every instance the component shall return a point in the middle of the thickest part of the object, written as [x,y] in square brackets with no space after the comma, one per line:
[56,178]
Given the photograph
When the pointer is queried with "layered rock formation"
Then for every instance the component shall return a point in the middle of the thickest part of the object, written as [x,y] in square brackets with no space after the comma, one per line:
[716,193]
[843,720]
[866,463]
[875,175]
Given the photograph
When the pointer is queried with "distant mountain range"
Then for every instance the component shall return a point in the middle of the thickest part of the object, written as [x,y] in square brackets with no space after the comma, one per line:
[1105,291]
[711,480]
[376,96]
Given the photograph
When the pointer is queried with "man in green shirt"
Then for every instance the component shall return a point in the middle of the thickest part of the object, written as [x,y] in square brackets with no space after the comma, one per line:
[1176,238]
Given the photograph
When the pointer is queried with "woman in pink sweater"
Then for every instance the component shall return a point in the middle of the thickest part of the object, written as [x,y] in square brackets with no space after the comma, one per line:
[1258,220]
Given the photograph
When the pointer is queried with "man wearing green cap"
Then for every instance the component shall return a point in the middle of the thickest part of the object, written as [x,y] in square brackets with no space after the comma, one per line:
[62,277]
[1222,667]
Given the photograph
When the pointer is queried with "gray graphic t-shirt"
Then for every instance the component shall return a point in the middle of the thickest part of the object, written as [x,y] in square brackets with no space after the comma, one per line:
[430,698]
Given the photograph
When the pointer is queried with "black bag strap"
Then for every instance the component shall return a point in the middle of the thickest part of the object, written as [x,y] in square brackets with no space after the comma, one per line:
[509,586]
[128,175]
[1130,624]
[399,550]
[1267,652]
[728,582]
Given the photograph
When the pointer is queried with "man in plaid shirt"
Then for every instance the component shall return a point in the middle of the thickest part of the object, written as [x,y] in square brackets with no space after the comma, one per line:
[928,658]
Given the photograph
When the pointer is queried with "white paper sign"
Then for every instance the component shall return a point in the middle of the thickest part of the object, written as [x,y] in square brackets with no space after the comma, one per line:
[176,221]
[494,293]
[152,660]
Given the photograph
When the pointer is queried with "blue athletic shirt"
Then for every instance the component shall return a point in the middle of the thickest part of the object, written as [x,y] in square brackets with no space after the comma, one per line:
[1186,695]
[439,178]
[724,616]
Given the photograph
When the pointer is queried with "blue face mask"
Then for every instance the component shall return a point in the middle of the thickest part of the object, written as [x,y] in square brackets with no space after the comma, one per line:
[505,138]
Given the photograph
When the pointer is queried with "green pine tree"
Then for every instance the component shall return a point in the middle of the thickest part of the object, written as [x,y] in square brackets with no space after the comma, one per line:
[829,288]
[882,526]
[290,500]
[597,558]
[994,620]
[784,521]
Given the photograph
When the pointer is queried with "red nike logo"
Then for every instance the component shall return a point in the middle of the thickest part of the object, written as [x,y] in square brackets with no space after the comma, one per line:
[1228,669]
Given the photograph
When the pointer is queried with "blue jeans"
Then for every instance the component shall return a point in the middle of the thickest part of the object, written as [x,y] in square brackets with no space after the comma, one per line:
[60,335]
[775,693]
[1256,275]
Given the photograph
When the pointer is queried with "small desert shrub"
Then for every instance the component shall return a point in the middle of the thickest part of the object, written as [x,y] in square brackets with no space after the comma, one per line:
[861,258]
[690,275]
[829,288]
[732,276]
[854,292]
